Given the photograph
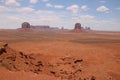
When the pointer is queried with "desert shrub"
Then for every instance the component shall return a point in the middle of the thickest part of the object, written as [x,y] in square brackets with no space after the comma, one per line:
[6,65]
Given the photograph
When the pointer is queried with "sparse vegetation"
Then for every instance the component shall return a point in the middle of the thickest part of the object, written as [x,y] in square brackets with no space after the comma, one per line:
[6,65]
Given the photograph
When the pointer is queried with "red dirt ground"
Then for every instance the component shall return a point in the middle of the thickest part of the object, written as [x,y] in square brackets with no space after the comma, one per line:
[100,53]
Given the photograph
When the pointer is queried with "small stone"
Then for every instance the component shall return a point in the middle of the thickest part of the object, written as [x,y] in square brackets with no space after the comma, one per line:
[76,61]
[53,72]
[5,45]
[92,78]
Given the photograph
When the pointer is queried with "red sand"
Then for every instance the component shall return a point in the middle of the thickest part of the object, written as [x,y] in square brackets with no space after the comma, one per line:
[101,60]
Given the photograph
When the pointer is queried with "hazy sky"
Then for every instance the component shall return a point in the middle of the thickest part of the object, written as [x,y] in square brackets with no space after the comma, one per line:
[97,14]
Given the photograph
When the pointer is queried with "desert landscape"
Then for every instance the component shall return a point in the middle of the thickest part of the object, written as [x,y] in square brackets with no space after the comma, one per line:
[59,39]
[59,55]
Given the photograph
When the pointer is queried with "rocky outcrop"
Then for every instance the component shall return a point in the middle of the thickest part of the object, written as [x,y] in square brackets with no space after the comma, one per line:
[77,26]
[25,25]
[66,68]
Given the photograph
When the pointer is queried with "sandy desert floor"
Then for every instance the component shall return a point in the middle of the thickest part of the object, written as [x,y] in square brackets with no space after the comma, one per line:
[99,51]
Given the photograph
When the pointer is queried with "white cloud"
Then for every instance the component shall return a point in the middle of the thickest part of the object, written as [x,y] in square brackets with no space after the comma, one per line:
[47,17]
[14,9]
[40,17]
[106,25]
[107,12]
[85,20]
[26,9]
[102,9]
[3,8]
[1,0]
[84,7]
[86,17]
[118,8]
[44,12]
[8,23]
[33,1]
[49,5]
[59,6]
[45,0]
[14,17]
[12,3]
[74,9]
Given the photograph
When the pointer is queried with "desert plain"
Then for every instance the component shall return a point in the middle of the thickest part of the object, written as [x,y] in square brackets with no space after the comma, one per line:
[52,55]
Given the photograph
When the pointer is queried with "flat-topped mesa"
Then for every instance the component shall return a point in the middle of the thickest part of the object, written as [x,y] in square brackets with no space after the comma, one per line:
[26,25]
[77,26]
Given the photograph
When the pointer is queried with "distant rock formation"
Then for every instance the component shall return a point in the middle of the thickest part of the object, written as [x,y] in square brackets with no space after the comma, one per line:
[77,26]
[40,27]
[25,25]
[62,28]
[87,28]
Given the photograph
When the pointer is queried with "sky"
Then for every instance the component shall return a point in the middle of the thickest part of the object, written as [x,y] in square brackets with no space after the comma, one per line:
[96,14]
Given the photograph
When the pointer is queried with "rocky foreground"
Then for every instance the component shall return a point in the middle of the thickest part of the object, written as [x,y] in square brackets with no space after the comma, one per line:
[63,68]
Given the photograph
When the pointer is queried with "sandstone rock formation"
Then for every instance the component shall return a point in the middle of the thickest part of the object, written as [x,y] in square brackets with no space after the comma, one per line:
[66,68]
[25,25]
[77,26]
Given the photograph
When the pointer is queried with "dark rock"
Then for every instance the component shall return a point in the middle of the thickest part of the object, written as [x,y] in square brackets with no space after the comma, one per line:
[2,50]
[1,60]
[26,63]
[26,56]
[76,61]
[37,71]
[77,26]
[93,78]
[25,25]
[5,45]
[39,63]
[13,58]
[21,53]
[53,72]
